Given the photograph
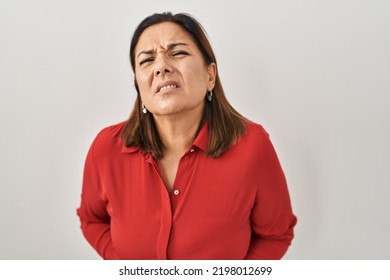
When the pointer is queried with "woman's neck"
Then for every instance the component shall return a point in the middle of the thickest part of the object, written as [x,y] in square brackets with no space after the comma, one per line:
[177,133]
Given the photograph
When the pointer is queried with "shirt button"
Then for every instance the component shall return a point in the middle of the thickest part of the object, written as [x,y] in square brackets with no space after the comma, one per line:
[176,192]
[192,150]
[186,157]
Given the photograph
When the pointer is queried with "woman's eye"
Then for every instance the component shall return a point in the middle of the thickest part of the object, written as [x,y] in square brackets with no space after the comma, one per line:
[178,53]
[146,60]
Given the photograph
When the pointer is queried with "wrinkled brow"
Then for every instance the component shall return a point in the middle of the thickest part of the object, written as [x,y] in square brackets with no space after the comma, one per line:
[169,47]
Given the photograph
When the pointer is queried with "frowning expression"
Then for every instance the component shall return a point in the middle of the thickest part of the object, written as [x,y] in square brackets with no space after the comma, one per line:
[170,71]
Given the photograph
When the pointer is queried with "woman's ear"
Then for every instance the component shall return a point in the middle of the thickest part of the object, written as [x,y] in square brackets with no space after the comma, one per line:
[212,71]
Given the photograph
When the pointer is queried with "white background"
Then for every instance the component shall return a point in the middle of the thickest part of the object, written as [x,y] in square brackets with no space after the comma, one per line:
[316,74]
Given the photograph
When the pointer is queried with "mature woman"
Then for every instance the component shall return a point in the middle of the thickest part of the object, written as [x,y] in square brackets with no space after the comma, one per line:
[186,177]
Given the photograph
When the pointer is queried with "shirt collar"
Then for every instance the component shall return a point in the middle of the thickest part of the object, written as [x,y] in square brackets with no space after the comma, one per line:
[129,149]
[201,141]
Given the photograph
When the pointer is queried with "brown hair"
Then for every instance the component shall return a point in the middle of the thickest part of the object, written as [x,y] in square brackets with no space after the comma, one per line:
[226,125]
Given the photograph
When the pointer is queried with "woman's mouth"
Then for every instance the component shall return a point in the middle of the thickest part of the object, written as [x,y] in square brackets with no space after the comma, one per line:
[166,86]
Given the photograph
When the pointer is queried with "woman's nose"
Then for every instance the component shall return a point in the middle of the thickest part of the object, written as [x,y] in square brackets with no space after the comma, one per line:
[162,67]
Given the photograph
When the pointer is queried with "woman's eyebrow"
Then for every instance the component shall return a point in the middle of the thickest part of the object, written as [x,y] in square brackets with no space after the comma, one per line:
[169,47]
[145,52]
[173,45]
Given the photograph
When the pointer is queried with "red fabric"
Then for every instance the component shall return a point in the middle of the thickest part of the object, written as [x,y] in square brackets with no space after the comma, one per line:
[234,207]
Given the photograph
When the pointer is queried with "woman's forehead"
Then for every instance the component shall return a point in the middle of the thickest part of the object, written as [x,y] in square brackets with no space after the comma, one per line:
[161,35]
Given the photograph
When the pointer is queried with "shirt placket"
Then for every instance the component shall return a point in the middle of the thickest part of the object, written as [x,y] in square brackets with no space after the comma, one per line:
[165,213]
[171,203]
[182,179]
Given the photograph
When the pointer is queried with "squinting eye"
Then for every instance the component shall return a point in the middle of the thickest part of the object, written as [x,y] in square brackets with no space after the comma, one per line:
[179,53]
[146,60]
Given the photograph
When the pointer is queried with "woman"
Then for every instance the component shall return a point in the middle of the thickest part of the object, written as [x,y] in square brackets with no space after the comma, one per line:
[186,177]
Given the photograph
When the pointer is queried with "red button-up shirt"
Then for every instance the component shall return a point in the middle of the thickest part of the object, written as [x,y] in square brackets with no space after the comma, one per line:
[236,206]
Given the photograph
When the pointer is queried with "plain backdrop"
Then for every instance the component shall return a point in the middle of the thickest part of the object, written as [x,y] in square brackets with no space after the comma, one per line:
[315,74]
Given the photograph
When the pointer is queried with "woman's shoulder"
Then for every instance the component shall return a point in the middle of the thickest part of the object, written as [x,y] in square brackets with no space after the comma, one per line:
[253,139]
[108,139]
[255,130]
[250,146]
[112,131]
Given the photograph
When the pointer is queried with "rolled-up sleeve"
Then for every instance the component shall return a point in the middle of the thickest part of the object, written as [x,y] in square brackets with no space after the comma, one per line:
[94,218]
[272,218]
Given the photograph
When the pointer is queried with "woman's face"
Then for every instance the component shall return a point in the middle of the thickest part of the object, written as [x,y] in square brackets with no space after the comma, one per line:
[171,74]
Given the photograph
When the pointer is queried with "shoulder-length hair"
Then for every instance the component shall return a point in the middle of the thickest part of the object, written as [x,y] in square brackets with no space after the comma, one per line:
[226,125]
